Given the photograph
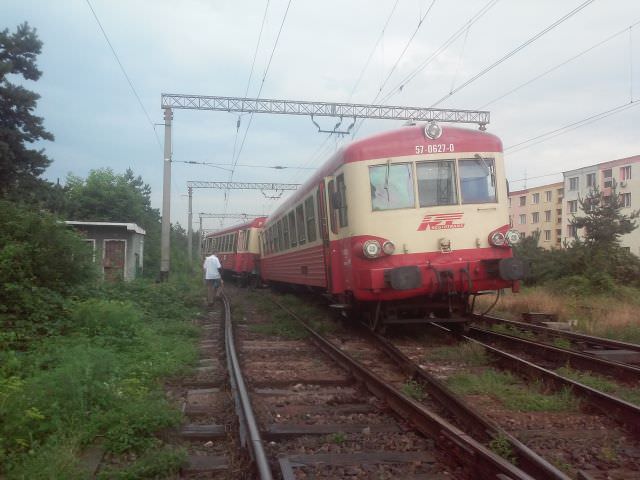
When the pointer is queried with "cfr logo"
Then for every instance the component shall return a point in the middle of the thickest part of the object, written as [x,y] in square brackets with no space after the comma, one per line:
[440,221]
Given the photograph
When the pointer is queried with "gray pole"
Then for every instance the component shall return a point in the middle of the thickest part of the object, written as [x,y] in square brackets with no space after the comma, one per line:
[190,229]
[165,238]
[200,241]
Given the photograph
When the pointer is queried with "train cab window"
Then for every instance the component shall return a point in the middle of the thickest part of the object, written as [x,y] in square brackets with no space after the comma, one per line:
[292,228]
[302,238]
[478,180]
[436,183]
[310,216]
[391,186]
[343,220]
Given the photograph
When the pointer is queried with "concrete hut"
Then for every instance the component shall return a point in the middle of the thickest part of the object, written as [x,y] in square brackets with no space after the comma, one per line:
[117,247]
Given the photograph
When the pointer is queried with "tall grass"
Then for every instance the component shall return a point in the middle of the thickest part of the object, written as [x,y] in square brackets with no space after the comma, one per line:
[102,379]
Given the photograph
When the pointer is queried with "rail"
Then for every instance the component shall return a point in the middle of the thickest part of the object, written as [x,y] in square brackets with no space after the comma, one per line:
[251,434]
[559,355]
[576,337]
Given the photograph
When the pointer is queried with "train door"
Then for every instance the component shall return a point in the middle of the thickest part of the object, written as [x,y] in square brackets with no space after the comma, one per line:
[323,220]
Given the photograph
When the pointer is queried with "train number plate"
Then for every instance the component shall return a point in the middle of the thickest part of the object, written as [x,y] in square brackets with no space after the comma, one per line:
[435,148]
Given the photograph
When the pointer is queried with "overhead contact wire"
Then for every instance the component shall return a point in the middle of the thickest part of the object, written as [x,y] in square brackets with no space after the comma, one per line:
[515,51]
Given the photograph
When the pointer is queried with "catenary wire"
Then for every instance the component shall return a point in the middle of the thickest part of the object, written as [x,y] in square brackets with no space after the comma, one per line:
[562,64]
[567,128]
[514,51]
[124,72]
[474,18]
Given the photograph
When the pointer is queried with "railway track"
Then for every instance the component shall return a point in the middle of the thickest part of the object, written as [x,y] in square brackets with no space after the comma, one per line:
[447,449]
[609,349]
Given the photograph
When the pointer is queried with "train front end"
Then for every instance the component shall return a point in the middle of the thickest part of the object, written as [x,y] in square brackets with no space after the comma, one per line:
[428,223]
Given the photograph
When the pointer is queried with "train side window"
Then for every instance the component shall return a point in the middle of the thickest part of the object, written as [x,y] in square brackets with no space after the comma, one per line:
[391,186]
[478,180]
[247,232]
[302,238]
[342,195]
[311,218]
[235,242]
[332,207]
[436,183]
[285,233]
[282,245]
[292,228]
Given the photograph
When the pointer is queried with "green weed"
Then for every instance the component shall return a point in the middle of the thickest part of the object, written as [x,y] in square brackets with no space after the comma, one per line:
[501,446]
[413,389]
[514,395]
[602,384]
[471,354]
[338,438]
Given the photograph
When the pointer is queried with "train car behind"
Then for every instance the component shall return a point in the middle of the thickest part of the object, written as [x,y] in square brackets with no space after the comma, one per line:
[238,250]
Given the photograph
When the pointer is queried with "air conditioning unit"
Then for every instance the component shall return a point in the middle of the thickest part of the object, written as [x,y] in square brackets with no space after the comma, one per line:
[623,184]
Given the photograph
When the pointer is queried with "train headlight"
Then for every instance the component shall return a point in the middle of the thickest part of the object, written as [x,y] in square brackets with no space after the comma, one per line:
[497,239]
[433,131]
[371,248]
[388,247]
[512,237]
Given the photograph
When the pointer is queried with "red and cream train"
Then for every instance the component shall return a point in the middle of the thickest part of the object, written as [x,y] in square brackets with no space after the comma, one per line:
[399,227]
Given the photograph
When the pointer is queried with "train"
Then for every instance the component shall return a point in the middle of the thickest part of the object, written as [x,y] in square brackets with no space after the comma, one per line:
[405,226]
[237,249]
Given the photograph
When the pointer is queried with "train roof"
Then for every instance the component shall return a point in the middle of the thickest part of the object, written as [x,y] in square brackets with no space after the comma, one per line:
[255,223]
[394,143]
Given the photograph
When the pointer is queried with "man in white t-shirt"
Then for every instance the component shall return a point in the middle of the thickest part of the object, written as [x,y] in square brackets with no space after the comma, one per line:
[212,277]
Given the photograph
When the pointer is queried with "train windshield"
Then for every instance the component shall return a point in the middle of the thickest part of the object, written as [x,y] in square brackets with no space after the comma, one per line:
[478,180]
[436,183]
[391,186]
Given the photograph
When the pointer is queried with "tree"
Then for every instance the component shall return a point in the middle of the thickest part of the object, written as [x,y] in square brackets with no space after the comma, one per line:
[603,222]
[18,125]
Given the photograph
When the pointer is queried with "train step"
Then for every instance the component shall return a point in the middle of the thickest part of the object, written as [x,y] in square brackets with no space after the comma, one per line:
[340,306]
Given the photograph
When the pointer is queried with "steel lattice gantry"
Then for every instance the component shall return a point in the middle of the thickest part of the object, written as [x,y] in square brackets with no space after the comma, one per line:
[243,185]
[239,216]
[322,109]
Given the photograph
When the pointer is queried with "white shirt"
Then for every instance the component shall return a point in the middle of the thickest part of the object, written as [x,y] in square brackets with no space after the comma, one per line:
[211,266]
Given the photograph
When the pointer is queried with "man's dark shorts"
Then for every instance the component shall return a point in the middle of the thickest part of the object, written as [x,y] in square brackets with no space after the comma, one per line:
[215,282]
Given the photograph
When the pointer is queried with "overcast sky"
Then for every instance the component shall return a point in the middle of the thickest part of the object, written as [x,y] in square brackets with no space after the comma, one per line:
[207,47]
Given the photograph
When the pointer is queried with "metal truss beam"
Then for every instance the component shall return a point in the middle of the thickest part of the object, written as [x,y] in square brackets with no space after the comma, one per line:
[243,185]
[240,216]
[323,109]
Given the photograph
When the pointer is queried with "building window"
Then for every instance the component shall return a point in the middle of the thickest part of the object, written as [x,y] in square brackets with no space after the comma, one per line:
[523,201]
[547,195]
[625,173]
[606,176]
[559,233]
[573,183]
[626,199]
[591,180]
[572,231]
[573,206]
[523,219]
[547,216]
[536,198]
[547,235]
[535,217]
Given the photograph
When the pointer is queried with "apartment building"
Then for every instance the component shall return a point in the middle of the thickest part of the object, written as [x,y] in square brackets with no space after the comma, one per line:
[623,174]
[539,208]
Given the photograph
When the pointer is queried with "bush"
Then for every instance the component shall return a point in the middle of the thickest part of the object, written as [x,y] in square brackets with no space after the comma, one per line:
[41,260]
